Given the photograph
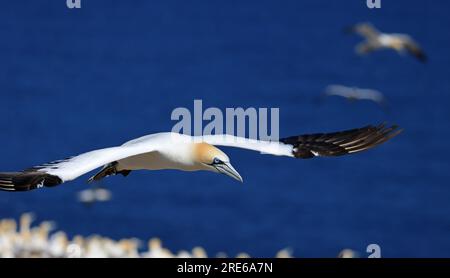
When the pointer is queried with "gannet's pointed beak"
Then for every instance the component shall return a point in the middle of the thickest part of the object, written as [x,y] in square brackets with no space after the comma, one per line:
[228,169]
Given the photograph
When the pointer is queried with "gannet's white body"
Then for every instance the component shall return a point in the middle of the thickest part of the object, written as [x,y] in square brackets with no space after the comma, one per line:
[175,151]
[182,152]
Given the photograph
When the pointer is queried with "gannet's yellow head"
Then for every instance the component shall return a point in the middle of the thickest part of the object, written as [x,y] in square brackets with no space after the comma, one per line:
[213,159]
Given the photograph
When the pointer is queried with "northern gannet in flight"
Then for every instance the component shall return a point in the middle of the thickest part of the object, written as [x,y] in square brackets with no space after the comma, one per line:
[375,40]
[182,152]
[355,93]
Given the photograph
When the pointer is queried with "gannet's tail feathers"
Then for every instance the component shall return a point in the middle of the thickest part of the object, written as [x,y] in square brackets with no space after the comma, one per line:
[27,180]
[340,143]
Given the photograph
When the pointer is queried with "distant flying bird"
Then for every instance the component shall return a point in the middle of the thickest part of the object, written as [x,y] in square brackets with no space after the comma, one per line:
[182,152]
[93,195]
[355,93]
[375,40]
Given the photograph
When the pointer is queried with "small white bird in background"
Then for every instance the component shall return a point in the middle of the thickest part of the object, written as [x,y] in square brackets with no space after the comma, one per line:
[285,253]
[376,40]
[93,195]
[156,250]
[130,247]
[199,253]
[183,254]
[243,255]
[58,245]
[355,93]
[8,238]
[348,254]
[182,152]
[95,247]
[40,237]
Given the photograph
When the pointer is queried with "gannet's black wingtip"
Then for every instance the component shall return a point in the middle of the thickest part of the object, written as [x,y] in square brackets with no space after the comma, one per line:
[27,180]
[422,57]
[416,51]
[341,143]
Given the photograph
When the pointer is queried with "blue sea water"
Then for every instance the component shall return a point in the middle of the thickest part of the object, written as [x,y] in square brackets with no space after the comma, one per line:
[76,80]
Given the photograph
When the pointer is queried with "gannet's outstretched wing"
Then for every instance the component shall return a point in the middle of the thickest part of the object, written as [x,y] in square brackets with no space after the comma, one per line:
[340,143]
[60,171]
[312,145]
[365,47]
[365,29]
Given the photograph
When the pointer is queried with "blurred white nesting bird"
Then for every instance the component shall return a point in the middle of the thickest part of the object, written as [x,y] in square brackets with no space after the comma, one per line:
[199,252]
[183,254]
[285,253]
[8,230]
[58,245]
[23,238]
[95,248]
[130,247]
[40,238]
[156,250]
[376,40]
[348,254]
[242,255]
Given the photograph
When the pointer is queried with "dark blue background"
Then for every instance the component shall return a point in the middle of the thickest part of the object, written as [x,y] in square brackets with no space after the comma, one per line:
[76,80]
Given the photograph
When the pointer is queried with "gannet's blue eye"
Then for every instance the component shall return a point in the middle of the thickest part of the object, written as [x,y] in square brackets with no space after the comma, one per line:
[217,161]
